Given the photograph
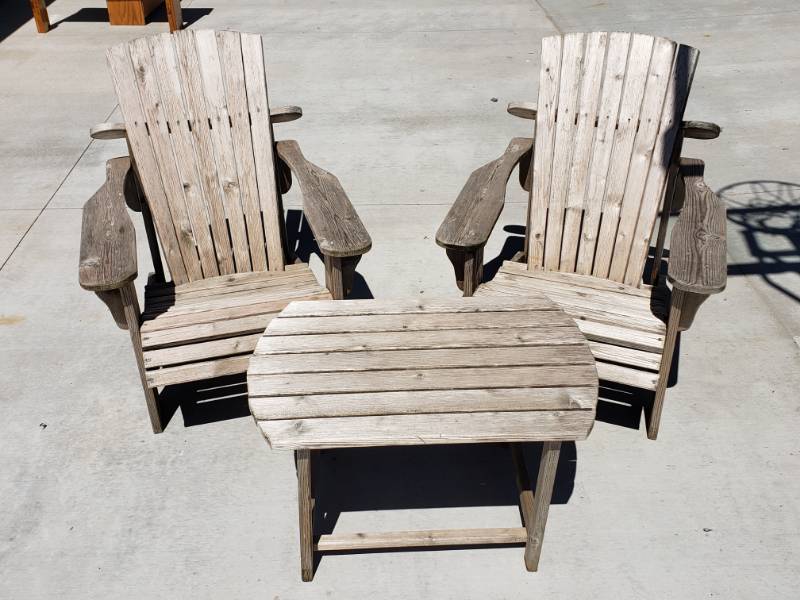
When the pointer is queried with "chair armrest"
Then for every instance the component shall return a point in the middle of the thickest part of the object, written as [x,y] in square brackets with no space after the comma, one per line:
[697,254]
[700,130]
[108,238]
[523,110]
[473,215]
[333,220]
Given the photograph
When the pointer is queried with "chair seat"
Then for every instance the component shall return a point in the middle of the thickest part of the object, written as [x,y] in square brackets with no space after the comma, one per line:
[625,325]
[209,328]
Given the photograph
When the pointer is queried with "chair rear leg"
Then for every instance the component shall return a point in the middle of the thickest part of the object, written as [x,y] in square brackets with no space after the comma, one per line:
[133,317]
[673,326]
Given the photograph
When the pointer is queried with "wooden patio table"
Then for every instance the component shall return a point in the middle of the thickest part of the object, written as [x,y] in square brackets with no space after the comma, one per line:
[356,373]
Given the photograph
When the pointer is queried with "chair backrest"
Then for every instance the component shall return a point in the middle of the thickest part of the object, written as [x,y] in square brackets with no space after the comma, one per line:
[197,119]
[609,114]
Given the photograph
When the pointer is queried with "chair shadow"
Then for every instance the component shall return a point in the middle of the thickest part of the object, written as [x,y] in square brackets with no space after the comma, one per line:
[206,401]
[768,216]
[302,245]
[418,477]
[617,404]
[159,15]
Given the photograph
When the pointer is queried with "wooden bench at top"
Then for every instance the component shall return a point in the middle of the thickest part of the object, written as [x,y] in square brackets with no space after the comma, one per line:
[120,12]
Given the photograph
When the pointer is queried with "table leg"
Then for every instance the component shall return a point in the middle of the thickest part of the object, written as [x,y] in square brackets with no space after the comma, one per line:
[306,509]
[541,503]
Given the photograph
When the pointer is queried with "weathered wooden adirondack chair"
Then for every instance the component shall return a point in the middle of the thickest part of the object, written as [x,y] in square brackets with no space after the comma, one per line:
[207,178]
[605,161]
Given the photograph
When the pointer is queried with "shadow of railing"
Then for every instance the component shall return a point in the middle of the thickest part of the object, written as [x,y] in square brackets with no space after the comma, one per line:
[768,216]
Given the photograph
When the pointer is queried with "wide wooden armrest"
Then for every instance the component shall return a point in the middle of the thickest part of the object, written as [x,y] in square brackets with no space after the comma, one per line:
[108,239]
[701,130]
[333,220]
[523,110]
[697,254]
[472,217]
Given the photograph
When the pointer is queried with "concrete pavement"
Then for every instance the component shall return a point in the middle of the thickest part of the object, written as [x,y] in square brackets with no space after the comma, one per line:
[398,103]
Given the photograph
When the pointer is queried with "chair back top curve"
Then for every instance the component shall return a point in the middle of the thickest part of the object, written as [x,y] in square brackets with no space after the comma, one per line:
[197,119]
[607,129]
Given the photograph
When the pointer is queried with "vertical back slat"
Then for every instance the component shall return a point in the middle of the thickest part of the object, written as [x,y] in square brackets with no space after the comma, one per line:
[678,87]
[162,48]
[649,123]
[197,113]
[635,80]
[213,86]
[230,51]
[613,79]
[146,163]
[592,76]
[569,87]
[543,151]
[258,106]
[149,94]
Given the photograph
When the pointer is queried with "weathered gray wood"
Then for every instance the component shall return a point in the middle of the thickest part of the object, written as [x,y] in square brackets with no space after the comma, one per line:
[698,254]
[334,277]
[306,513]
[421,539]
[333,220]
[673,327]
[108,238]
[108,131]
[523,110]
[474,214]
[700,130]
[541,503]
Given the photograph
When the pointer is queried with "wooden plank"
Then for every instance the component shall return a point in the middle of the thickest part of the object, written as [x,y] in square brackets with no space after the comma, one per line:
[626,356]
[146,164]
[415,430]
[569,90]
[545,480]
[417,322]
[108,238]
[201,351]
[216,284]
[627,123]
[164,61]
[422,379]
[591,78]
[697,260]
[219,119]
[420,539]
[621,336]
[197,371]
[305,502]
[338,362]
[230,52]
[147,85]
[426,401]
[337,227]
[658,80]
[198,116]
[547,107]
[266,282]
[586,281]
[40,16]
[261,132]
[607,118]
[418,340]
[416,306]
[677,94]
[197,332]
[166,321]
[626,375]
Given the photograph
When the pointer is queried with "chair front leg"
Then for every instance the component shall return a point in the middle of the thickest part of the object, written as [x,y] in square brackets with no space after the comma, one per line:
[340,274]
[468,268]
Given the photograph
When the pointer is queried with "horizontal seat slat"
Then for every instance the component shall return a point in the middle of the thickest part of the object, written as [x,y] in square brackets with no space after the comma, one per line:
[627,375]
[421,539]
[199,332]
[196,371]
[200,351]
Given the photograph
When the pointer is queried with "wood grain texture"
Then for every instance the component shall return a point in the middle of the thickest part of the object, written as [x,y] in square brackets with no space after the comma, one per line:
[130,12]
[333,220]
[305,503]
[448,372]
[108,238]
[698,252]
[700,130]
[421,539]
[523,110]
[474,214]
[40,16]
[541,503]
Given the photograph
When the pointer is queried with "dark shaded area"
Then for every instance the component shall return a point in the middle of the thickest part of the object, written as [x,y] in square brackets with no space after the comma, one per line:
[206,401]
[768,216]
[301,245]
[159,15]
[15,14]
[417,477]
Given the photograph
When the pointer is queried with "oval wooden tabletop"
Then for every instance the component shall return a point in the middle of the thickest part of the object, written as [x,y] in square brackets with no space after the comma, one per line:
[349,373]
